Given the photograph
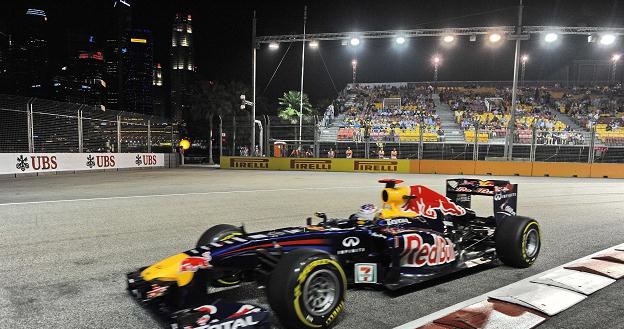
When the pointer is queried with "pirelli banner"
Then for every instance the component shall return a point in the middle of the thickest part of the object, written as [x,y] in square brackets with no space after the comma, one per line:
[314,164]
[22,163]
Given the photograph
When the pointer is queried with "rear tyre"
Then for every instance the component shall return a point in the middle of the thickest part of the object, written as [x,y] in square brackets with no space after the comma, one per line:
[518,241]
[217,234]
[307,289]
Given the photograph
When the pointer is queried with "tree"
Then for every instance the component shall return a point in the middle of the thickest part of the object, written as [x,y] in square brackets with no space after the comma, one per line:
[234,89]
[208,99]
[289,105]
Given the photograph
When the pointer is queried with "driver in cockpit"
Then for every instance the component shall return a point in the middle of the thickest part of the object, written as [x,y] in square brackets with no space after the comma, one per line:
[366,214]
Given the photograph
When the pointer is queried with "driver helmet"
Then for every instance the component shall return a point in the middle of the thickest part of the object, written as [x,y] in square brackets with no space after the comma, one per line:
[367,212]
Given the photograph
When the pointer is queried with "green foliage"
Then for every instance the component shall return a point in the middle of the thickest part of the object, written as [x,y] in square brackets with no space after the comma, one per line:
[289,105]
[210,98]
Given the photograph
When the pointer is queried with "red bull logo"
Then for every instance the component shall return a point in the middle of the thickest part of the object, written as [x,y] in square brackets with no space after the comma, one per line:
[194,263]
[426,201]
[417,253]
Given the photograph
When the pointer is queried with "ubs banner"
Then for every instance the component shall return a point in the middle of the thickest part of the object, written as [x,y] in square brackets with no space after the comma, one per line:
[20,163]
[315,164]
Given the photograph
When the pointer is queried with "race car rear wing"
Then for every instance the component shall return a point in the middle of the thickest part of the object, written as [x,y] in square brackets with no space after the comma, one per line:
[505,194]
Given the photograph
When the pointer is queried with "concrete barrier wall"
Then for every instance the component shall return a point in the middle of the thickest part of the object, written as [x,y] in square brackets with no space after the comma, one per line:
[450,167]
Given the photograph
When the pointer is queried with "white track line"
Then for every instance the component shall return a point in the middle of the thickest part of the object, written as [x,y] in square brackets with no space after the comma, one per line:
[185,194]
[434,316]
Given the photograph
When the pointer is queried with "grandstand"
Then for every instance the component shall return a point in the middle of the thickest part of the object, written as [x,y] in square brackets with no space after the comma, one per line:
[406,112]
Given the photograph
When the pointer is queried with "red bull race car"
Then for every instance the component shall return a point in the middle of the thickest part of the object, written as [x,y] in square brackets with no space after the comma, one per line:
[416,235]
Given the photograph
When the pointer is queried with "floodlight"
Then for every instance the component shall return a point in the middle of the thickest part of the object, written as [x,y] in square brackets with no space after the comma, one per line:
[551,37]
[448,38]
[495,37]
[607,39]
[273,45]
[354,41]
[400,40]
[525,58]
[616,57]
[313,44]
[436,59]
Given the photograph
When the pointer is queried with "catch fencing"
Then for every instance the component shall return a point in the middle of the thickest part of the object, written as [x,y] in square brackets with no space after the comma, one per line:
[37,125]
[478,143]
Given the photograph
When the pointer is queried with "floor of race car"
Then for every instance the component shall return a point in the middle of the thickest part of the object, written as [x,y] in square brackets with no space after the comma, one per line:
[67,240]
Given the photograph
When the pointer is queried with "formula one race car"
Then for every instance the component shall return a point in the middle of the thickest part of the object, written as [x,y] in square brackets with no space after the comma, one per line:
[418,234]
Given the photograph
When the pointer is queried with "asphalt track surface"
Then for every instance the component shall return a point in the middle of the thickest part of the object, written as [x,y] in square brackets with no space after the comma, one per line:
[66,241]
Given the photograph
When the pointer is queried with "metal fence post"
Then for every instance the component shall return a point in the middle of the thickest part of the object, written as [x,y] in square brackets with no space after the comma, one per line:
[420,140]
[80,132]
[592,143]
[233,135]
[317,132]
[30,126]
[172,143]
[475,151]
[268,136]
[149,136]
[533,144]
[119,133]
[220,137]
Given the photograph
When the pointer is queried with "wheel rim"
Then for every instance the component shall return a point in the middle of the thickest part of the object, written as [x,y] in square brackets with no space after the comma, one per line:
[532,243]
[319,293]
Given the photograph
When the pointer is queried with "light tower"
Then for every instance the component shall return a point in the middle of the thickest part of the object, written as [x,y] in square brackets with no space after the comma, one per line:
[436,64]
[614,60]
[354,67]
[524,59]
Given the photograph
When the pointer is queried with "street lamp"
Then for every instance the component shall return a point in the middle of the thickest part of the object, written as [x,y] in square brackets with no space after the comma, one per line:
[524,60]
[448,38]
[607,39]
[354,67]
[614,60]
[495,37]
[273,45]
[436,64]
[551,37]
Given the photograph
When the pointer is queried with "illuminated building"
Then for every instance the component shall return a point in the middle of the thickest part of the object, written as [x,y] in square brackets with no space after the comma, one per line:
[182,65]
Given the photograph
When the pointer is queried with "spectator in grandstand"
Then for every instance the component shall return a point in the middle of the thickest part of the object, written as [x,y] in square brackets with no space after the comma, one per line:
[394,153]
[349,153]
[380,153]
[296,153]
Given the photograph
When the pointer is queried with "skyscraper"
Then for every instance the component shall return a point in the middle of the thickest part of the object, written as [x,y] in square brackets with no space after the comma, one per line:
[138,64]
[27,56]
[158,90]
[116,48]
[81,79]
[182,65]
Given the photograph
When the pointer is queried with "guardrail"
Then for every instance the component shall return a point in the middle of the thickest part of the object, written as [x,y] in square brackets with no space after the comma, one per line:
[14,164]
[451,167]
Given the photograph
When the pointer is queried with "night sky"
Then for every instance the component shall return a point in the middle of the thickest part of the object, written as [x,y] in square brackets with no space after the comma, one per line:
[222,32]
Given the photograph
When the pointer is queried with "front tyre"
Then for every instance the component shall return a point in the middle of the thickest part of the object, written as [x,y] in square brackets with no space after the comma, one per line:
[217,234]
[518,241]
[307,289]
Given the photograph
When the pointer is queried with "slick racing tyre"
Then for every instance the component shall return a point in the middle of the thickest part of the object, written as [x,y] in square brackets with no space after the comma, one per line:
[518,241]
[307,289]
[215,234]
